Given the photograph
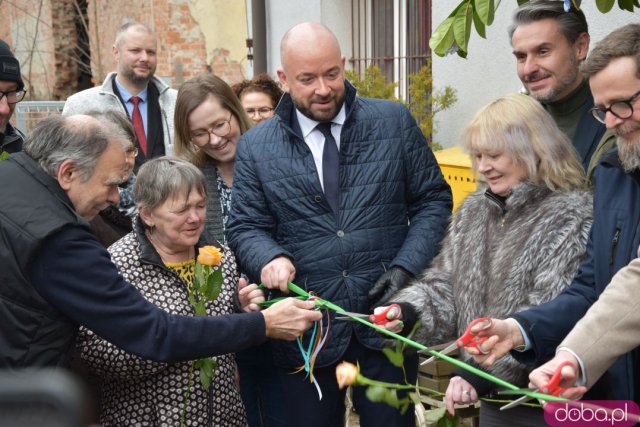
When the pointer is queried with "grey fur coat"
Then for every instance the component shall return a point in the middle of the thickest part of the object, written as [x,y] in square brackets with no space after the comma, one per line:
[499,258]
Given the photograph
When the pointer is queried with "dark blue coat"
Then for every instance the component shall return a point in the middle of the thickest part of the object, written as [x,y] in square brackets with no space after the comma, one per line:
[388,179]
[613,243]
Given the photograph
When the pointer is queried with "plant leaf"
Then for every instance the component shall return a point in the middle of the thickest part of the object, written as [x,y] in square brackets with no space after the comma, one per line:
[480,27]
[376,393]
[199,279]
[449,420]
[605,6]
[395,357]
[434,415]
[214,284]
[483,9]
[442,38]
[462,25]
[626,5]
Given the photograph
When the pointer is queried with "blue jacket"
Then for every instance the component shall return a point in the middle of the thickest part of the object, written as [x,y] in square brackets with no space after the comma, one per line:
[613,243]
[394,208]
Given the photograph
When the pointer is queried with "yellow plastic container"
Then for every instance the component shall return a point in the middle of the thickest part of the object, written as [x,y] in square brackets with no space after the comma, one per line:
[456,168]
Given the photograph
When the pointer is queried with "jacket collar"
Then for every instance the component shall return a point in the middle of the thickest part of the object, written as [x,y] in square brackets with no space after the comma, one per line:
[107,85]
[612,160]
[521,194]
[46,180]
[11,140]
[148,254]
[286,111]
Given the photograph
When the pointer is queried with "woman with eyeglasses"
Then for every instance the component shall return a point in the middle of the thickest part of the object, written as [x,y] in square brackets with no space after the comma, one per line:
[209,121]
[258,96]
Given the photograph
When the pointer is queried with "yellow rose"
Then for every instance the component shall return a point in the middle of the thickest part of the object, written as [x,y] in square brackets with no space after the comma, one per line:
[346,373]
[209,255]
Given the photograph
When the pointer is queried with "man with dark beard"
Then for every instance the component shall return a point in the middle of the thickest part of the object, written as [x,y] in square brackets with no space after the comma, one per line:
[549,44]
[613,69]
[134,90]
[342,195]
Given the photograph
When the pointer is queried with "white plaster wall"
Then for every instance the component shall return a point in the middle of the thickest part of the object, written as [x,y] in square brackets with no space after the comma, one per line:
[489,70]
[284,14]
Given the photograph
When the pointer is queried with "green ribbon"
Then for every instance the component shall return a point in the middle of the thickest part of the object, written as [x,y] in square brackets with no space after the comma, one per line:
[322,303]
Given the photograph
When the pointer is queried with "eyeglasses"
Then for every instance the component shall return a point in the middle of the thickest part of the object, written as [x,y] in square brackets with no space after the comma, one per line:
[131,152]
[621,109]
[202,137]
[262,111]
[13,96]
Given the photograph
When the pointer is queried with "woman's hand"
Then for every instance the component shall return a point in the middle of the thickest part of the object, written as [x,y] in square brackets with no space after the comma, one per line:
[249,295]
[460,392]
[394,316]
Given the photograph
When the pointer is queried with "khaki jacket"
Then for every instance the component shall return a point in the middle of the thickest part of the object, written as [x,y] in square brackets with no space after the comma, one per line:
[611,327]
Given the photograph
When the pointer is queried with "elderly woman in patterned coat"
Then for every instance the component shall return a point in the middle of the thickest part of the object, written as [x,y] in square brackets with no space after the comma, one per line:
[158,258]
[515,243]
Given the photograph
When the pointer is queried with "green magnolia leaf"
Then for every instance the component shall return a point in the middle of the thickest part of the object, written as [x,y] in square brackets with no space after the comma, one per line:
[480,27]
[442,38]
[484,11]
[626,5]
[449,420]
[434,415]
[4,155]
[395,357]
[605,6]
[462,25]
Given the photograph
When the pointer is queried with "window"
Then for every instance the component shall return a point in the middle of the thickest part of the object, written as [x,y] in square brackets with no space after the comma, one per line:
[392,34]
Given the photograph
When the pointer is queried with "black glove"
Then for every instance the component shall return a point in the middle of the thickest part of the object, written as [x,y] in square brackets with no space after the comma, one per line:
[388,284]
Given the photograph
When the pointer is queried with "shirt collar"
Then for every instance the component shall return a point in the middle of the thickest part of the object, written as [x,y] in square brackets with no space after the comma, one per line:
[308,125]
[126,95]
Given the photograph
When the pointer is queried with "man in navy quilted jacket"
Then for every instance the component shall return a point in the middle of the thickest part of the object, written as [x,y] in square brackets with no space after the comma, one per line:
[341,195]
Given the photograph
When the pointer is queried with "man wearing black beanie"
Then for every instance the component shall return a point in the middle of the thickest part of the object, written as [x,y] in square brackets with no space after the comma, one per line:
[11,92]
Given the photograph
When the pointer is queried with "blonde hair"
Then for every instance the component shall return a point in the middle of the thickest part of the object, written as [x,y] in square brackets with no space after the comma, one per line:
[519,126]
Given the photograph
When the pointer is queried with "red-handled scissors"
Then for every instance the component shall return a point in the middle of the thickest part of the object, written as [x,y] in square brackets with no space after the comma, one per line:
[377,319]
[552,387]
[467,339]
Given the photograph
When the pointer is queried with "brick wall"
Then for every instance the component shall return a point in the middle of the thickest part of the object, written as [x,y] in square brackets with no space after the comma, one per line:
[44,35]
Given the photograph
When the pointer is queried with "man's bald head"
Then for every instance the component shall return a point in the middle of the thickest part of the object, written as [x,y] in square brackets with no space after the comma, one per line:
[308,36]
[313,71]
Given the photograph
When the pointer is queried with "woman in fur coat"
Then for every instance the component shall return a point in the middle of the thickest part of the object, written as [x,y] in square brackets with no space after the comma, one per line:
[514,243]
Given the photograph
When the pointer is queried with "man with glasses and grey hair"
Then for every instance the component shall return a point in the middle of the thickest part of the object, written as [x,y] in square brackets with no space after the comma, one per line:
[549,45]
[11,92]
[613,70]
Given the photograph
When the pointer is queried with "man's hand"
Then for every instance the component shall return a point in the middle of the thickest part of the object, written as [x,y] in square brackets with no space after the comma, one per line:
[388,284]
[504,336]
[249,295]
[542,375]
[289,318]
[461,392]
[277,273]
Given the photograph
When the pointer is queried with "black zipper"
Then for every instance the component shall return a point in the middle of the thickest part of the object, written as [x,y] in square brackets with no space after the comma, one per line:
[614,247]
